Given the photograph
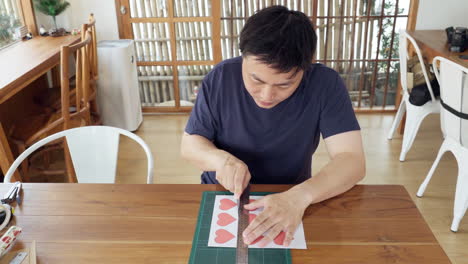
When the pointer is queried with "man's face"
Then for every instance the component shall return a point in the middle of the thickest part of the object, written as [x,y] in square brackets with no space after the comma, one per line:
[266,85]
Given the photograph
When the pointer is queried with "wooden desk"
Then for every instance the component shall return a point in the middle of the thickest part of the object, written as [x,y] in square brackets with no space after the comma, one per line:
[24,62]
[20,65]
[434,43]
[97,223]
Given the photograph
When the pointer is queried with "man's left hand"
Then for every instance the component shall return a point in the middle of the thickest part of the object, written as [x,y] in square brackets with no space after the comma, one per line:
[281,212]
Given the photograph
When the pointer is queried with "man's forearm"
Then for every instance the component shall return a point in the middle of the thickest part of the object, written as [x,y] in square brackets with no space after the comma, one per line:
[201,152]
[338,176]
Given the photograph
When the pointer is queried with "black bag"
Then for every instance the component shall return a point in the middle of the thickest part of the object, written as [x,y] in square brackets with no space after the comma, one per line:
[420,95]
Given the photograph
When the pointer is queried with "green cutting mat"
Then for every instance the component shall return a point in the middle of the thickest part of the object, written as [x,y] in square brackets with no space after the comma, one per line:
[202,254]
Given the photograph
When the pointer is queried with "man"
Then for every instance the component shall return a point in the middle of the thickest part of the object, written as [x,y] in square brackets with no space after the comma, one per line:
[258,118]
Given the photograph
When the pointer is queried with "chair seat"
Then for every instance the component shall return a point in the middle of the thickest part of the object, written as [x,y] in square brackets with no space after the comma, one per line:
[26,128]
[51,98]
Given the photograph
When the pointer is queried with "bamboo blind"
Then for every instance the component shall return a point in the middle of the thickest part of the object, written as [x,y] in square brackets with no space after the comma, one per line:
[179,41]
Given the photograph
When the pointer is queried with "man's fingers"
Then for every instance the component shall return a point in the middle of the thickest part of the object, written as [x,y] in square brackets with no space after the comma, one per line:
[238,182]
[257,228]
[220,179]
[272,234]
[260,230]
[255,223]
[230,179]
[255,204]
[246,179]
[231,175]
[289,237]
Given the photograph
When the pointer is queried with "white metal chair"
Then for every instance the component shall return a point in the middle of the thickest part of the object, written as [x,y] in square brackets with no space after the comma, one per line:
[93,150]
[414,114]
[453,79]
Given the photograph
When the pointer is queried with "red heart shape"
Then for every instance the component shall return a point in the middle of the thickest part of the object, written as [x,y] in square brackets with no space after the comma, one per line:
[256,240]
[279,240]
[226,204]
[223,236]
[225,219]
[251,218]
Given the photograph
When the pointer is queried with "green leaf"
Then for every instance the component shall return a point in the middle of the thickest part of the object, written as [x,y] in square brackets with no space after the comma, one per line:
[51,7]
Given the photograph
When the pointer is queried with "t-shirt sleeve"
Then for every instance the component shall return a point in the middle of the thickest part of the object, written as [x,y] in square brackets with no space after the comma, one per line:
[202,120]
[337,113]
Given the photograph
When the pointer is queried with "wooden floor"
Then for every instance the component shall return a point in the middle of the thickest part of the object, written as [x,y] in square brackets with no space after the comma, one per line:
[163,134]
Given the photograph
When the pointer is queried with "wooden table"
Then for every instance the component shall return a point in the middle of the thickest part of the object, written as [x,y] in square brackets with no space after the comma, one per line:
[20,65]
[434,43]
[97,223]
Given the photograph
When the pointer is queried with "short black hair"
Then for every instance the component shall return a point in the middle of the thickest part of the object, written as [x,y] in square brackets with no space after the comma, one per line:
[279,37]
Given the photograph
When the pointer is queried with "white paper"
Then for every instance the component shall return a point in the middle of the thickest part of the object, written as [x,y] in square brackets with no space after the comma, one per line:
[219,228]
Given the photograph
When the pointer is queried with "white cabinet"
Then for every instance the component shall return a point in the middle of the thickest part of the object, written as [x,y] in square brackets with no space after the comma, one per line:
[118,92]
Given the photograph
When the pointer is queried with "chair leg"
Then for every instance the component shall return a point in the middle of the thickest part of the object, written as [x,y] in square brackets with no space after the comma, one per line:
[46,160]
[397,120]
[414,118]
[461,193]
[24,165]
[70,169]
[422,187]
[95,114]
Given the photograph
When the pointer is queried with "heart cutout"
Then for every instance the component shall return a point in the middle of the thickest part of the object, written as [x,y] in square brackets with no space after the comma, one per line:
[225,219]
[223,236]
[279,240]
[226,204]
[256,240]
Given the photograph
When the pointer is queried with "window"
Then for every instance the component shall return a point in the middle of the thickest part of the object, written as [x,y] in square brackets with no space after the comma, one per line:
[10,20]
[179,41]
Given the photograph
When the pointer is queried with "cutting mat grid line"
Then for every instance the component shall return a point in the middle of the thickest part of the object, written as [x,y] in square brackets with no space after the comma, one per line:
[201,253]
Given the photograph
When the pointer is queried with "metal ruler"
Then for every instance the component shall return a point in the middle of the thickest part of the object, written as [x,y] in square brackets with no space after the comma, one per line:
[242,251]
[18,259]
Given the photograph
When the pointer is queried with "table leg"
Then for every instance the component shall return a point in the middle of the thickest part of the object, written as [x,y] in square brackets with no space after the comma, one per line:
[6,157]
[55,72]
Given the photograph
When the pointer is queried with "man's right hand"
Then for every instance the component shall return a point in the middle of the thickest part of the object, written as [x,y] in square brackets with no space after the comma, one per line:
[233,174]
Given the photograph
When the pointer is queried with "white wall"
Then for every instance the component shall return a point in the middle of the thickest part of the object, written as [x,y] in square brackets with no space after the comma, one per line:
[432,14]
[77,14]
[440,14]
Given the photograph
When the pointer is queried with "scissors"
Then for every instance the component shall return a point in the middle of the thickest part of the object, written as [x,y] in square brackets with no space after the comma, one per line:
[6,211]
[13,194]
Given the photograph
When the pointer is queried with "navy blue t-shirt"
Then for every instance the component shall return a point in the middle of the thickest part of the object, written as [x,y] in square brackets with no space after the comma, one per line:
[276,144]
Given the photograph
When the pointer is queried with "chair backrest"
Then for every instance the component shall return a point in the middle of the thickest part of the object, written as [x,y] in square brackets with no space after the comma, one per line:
[93,151]
[453,80]
[403,50]
[82,113]
[80,50]
[92,52]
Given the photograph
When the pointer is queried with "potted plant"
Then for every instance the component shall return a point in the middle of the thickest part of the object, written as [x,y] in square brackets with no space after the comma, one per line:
[386,51]
[52,8]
